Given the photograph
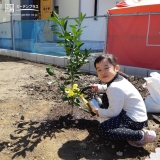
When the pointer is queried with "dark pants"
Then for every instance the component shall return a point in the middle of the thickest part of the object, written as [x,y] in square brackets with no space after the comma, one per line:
[122,127]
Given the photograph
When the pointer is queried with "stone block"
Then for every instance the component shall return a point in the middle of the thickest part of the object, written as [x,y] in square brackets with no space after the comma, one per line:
[14,53]
[135,71]
[91,67]
[26,55]
[122,68]
[59,61]
[40,58]
[85,68]
[48,59]
[33,57]
[19,54]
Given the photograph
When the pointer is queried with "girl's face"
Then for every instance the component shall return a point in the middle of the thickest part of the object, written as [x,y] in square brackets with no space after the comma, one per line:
[106,71]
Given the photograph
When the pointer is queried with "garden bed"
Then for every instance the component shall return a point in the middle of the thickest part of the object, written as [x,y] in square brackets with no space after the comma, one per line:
[37,124]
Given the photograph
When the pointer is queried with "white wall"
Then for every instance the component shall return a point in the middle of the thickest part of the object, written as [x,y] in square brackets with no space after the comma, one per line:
[71,7]
[96,29]
[87,6]
[5,28]
[3,16]
[56,2]
[105,5]
[68,8]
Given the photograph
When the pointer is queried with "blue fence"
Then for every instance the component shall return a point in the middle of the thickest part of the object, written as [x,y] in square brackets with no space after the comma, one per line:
[5,35]
[37,36]
[25,34]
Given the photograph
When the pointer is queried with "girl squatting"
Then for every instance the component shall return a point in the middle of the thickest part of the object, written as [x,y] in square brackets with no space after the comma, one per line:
[123,103]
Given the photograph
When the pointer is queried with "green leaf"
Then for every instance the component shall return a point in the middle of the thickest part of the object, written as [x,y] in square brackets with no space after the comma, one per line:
[74,31]
[81,17]
[72,26]
[59,33]
[76,20]
[79,32]
[77,77]
[84,16]
[49,71]
[84,27]
[62,88]
[79,72]
[65,25]
[76,104]
[60,42]
[77,100]
[65,98]
[67,82]
[55,20]
[55,15]
[80,45]
[62,21]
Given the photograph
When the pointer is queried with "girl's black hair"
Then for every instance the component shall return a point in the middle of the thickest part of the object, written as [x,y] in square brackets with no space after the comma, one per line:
[110,57]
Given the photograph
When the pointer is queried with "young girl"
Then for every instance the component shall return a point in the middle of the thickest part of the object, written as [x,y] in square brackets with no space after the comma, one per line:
[125,107]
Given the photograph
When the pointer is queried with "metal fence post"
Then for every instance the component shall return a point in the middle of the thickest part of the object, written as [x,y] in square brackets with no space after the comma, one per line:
[106,35]
[12,34]
[12,30]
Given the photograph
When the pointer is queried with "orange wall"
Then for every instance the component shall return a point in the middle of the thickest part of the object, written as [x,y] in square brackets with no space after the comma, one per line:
[135,40]
[135,9]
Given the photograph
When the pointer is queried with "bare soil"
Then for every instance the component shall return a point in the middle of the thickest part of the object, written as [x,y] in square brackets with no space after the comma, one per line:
[35,124]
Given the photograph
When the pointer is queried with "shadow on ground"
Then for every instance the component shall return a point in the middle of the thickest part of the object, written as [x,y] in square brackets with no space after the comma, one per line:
[29,134]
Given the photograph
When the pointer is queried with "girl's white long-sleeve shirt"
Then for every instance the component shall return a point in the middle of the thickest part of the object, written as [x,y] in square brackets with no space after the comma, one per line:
[123,95]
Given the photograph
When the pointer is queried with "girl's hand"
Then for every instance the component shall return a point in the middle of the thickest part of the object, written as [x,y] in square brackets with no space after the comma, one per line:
[94,88]
[96,112]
